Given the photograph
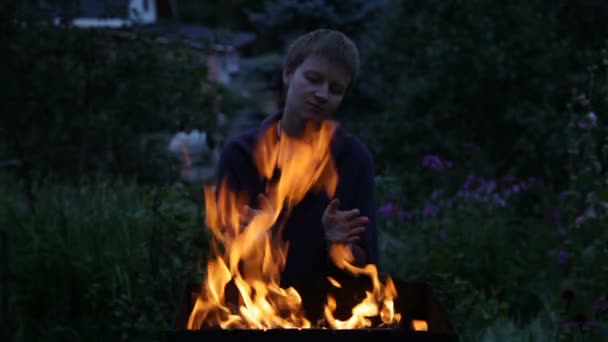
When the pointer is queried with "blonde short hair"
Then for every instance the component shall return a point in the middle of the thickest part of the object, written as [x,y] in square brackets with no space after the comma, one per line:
[333,45]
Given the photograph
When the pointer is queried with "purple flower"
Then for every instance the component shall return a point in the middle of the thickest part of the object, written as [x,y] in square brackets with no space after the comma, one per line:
[430,209]
[579,321]
[563,257]
[432,162]
[468,183]
[509,179]
[499,201]
[489,187]
[405,216]
[386,210]
[532,181]
[590,120]
[579,221]
[442,235]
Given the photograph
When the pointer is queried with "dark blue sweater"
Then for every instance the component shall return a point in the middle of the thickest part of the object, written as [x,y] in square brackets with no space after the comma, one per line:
[307,258]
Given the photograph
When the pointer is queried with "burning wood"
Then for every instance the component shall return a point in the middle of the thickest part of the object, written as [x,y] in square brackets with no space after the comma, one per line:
[250,260]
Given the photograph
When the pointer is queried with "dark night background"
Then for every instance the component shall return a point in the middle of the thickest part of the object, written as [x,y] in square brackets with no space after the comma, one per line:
[487,123]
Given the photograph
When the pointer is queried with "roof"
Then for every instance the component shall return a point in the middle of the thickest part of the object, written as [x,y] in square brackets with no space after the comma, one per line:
[88,8]
[104,8]
[196,35]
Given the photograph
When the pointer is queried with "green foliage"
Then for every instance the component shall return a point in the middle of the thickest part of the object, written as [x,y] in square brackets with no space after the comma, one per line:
[82,100]
[279,21]
[503,329]
[105,260]
[510,259]
[441,73]
[496,273]
[221,14]
[502,91]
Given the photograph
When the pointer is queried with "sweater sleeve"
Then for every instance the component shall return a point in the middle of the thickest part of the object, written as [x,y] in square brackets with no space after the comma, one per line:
[234,174]
[226,174]
[365,202]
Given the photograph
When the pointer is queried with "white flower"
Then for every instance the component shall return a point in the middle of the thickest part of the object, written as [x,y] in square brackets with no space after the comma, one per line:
[190,146]
[592,117]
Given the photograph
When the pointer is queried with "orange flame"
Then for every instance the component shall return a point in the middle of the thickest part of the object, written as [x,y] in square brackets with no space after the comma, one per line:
[249,261]
[420,325]
[380,301]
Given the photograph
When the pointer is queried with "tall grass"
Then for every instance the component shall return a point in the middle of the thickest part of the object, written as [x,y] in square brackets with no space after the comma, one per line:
[100,260]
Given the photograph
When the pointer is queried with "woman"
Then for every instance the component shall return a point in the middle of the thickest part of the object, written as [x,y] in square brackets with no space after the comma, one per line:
[318,68]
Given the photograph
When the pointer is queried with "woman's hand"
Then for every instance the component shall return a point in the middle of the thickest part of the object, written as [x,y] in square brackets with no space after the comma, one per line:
[343,226]
[247,213]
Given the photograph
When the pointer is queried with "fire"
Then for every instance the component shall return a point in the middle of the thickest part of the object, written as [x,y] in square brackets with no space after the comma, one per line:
[241,289]
[379,301]
[420,325]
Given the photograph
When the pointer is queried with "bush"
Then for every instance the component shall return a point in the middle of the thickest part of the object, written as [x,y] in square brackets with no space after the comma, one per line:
[83,100]
[510,258]
[444,73]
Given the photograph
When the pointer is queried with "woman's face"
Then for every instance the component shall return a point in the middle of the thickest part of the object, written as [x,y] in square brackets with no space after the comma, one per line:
[315,88]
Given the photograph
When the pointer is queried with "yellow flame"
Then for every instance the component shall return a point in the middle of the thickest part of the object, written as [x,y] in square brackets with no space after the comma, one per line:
[380,301]
[334,282]
[250,260]
[420,325]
